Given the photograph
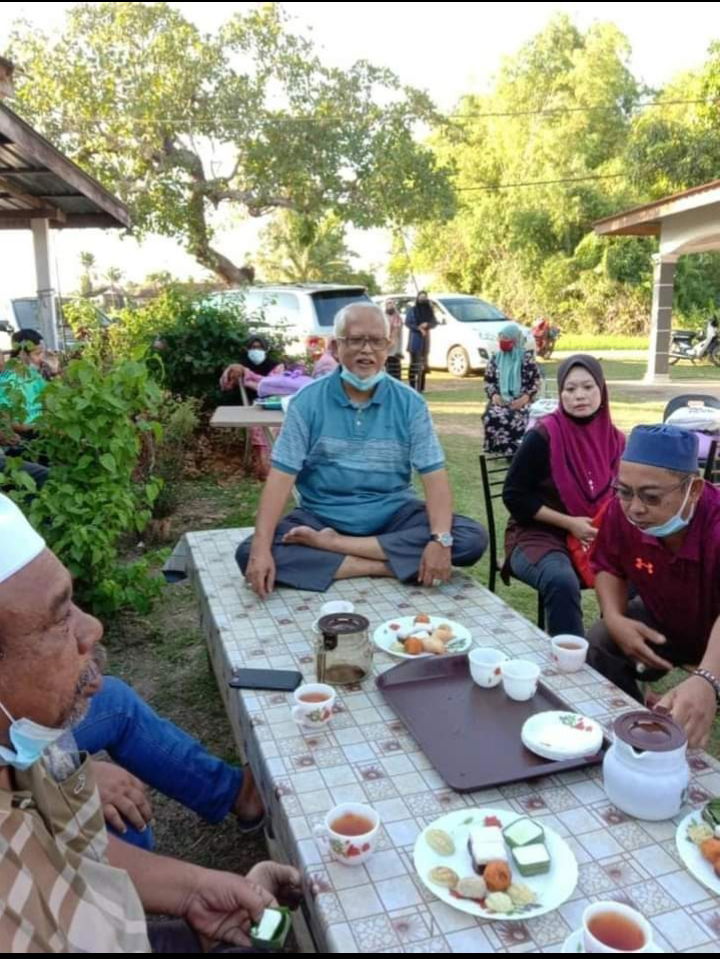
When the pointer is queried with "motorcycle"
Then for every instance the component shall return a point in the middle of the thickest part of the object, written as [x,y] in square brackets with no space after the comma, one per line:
[546,336]
[693,345]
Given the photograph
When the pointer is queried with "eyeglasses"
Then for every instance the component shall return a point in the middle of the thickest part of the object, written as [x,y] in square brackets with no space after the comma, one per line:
[376,343]
[627,493]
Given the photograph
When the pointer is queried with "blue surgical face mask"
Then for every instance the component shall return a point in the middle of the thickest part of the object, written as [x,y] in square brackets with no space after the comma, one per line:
[257,356]
[364,385]
[29,740]
[675,524]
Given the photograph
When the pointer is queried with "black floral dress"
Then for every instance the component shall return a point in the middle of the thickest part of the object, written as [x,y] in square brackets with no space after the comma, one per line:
[504,428]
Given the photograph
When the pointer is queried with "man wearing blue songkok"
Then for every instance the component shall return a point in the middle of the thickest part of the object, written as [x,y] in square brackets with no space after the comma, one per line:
[659,542]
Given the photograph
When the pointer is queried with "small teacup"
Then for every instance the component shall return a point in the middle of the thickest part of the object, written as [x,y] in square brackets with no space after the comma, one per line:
[614,922]
[520,678]
[485,665]
[349,833]
[313,705]
[569,652]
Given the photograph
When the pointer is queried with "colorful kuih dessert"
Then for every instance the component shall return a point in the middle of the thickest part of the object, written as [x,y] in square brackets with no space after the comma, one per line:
[523,832]
[492,886]
[272,929]
[485,845]
[705,834]
[532,860]
[421,637]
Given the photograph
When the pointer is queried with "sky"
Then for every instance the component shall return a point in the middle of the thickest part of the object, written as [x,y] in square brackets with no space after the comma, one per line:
[446,48]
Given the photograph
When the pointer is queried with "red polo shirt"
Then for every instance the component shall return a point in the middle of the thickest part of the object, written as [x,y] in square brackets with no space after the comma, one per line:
[681,591]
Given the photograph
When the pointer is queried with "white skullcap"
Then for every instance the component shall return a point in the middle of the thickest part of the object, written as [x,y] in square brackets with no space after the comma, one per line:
[19,543]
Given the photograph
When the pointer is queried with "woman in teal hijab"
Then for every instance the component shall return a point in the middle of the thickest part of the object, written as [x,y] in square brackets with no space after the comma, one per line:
[512,381]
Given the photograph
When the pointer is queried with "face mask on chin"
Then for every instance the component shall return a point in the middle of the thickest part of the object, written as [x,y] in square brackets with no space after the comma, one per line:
[675,524]
[359,383]
[29,741]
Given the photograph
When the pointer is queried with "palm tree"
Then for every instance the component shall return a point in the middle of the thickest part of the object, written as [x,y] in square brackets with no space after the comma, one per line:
[113,275]
[298,249]
[87,261]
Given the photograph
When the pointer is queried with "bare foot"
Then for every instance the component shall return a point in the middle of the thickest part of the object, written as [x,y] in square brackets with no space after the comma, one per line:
[306,536]
[248,802]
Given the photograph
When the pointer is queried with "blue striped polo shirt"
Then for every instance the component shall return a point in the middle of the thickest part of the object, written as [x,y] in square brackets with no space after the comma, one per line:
[353,463]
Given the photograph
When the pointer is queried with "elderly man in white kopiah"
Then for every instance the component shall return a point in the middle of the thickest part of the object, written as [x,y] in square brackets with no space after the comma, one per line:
[65,885]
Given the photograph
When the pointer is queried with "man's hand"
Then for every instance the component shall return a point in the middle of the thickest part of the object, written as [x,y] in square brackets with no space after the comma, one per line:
[222,906]
[693,705]
[436,563]
[634,639]
[124,798]
[282,882]
[260,572]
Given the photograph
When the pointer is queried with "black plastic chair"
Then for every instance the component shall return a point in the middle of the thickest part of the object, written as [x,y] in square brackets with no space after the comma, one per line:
[493,470]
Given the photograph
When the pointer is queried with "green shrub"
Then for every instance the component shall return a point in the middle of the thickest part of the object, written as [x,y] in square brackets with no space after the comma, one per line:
[90,433]
[187,340]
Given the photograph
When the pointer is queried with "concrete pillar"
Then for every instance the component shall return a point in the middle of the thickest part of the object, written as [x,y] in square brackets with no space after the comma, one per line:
[45,292]
[664,266]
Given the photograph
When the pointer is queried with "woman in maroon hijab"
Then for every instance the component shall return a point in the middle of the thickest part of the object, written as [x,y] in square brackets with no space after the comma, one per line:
[559,482]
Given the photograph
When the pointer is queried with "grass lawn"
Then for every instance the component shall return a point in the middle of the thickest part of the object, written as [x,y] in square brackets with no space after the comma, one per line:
[163,654]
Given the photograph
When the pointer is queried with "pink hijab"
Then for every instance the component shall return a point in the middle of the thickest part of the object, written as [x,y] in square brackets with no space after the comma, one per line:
[584,453]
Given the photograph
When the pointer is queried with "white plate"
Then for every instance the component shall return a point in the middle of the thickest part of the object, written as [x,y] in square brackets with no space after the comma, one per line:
[691,855]
[561,735]
[552,889]
[384,637]
[574,943]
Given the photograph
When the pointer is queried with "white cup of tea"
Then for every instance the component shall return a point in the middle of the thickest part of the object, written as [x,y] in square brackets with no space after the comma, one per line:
[485,663]
[520,678]
[313,705]
[349,833]
[614,927]
[569,652]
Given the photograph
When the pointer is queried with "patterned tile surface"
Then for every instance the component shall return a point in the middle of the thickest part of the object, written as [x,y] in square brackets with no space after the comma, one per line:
[365,754]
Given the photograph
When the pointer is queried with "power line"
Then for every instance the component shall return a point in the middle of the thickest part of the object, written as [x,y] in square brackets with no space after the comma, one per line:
[492,114]
[508,186]
[553,111]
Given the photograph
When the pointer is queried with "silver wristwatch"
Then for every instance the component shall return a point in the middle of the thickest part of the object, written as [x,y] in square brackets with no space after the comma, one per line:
[445,539]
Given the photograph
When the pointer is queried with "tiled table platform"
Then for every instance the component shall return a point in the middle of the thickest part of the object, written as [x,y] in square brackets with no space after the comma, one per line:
[367,755]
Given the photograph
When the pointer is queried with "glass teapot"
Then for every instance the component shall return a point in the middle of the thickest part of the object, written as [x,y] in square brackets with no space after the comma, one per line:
[343,651]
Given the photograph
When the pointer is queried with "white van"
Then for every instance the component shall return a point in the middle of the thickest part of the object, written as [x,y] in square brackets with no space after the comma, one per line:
[466,335]
[301,312]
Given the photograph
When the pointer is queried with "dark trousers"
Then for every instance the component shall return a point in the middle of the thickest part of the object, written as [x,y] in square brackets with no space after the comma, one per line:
[177,937]
[554,577]
[606,657]
[403,540]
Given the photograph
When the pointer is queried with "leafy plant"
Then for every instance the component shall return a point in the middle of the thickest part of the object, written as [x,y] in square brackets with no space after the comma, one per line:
[188,340]
[90,433]
[179,420]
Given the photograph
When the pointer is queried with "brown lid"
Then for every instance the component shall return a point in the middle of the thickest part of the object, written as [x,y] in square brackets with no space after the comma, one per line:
[655,732]
[342,624]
